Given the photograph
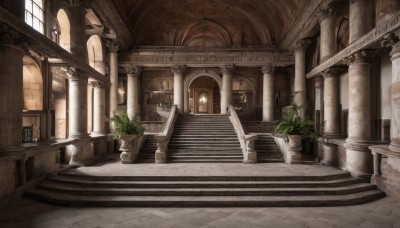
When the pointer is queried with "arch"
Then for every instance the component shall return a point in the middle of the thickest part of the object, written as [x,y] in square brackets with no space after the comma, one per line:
[343,34]
[95,53]
[65,35]
[243,100]
[32,85]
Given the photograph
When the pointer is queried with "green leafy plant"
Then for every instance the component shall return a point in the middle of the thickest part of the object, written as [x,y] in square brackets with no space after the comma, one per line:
[292,123]
[125,126]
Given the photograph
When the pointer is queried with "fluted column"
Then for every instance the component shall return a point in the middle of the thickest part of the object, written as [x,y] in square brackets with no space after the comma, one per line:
[300,72]
[327,37]
[11,92]
[268,93]
[99,107]
[393,41]
[360,18]
[226,91]
[358,156]
[178,71]
[113,61]
[132,100]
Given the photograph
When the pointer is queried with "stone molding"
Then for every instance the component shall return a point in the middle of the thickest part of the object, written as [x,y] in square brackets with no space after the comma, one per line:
[302,45]
[227,69]
[9,36]
[99,84]
[133,71]
[178,69]
[268,69]
[359,57]
[112,46]
[74,74]
[368,40]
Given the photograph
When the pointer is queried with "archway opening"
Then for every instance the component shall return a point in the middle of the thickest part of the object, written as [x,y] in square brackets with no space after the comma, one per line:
[204,96]
[64,26]
[243,98]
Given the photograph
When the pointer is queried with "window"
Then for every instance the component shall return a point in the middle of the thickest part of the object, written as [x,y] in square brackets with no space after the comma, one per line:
[34,15]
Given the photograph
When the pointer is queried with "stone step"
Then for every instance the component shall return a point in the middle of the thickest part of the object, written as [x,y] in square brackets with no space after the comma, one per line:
[203,201]
[78,190]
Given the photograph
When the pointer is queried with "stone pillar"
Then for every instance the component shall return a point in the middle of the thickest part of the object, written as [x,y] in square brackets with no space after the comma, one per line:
[226,91]
[299,74]
[132,100]
[99,108]
[360,18]
[78,29]
[358,156]
[393,41]
[268,93]
[331,115]
[11,92]
[327,43]
[178,71]
[113,58]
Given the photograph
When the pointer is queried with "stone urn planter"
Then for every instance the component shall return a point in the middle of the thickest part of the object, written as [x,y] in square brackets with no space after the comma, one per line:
[128,145]
[294,150]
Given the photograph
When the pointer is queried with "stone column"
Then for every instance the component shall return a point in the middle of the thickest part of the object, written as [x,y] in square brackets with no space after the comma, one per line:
[327,43]
[11,92]
[360,18]
[268,93]
[178,71]
[331,115]
[132,100]
[113,58]
[78,29]
[358,156]
[299,74]
[226,91]
[99,108]
[393,41]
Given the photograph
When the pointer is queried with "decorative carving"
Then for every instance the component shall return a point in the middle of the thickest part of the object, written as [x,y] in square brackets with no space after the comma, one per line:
[112,45]
[359,57]
[228,69]
[332,72]
[133,71]
[268,69]
[74,74]
[178,69]
[99,84]
[392,40]
[9,36]
[302,44]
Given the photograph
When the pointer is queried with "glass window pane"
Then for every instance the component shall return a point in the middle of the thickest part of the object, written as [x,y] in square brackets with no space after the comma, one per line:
[29,19]
[28,5]
[36,10]
[39,3]
[36,23]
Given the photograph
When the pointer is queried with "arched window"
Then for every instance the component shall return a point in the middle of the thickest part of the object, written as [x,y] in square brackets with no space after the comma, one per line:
[34,14]
[95,53]
[63,21]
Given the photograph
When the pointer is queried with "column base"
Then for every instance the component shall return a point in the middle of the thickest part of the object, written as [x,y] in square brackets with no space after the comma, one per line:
[79,152]
[395,148]
[359,160]
[329,154]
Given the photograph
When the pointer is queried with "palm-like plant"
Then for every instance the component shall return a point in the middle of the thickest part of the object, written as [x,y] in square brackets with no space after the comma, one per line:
[125,126]
[292,123]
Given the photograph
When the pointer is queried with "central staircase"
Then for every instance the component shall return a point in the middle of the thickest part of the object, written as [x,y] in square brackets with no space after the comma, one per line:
[74,189]
[204,138]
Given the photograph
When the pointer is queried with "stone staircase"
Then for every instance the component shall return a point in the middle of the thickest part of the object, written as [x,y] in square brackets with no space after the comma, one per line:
[147,152]
[204,138]
[74,189]
[266,150]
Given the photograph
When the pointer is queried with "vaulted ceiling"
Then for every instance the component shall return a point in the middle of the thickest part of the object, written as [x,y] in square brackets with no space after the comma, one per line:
[210,23]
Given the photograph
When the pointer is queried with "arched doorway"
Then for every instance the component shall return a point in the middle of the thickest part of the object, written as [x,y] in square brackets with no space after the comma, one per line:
[204,96]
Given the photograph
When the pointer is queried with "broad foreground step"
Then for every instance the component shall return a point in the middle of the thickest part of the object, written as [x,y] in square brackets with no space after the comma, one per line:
[204,191]
[204,139]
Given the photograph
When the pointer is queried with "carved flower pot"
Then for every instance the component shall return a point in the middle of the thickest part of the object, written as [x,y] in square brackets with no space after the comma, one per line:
[128,145]
[295,146]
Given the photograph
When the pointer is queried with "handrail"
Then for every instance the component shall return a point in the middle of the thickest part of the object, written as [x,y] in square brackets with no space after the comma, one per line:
[246,141]
[164,137]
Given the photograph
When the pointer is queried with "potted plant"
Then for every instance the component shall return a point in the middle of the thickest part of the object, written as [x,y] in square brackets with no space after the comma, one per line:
[294,128]
[126,130]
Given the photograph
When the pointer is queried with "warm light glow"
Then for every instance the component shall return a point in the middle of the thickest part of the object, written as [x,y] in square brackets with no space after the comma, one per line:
[203,99]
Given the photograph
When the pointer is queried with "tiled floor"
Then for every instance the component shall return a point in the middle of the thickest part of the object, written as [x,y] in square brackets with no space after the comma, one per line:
[28,213]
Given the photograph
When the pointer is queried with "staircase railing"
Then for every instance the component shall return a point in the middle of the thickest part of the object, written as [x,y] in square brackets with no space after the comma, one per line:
[246,141]
[164,137]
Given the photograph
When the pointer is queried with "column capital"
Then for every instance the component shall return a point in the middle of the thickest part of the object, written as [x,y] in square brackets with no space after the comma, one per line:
[75,74]
[324,13]
[302,44]
[178,69]
[359,57]
[112,45]
[392,40]
[318,81]
[268,69]
[9,36]
[332,72]
[133,71]
[99,84]
[227,69]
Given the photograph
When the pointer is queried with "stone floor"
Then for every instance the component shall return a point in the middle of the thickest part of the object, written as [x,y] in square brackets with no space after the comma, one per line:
[28,213]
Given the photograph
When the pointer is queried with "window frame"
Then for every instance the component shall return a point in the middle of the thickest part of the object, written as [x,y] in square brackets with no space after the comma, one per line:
[32,17]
